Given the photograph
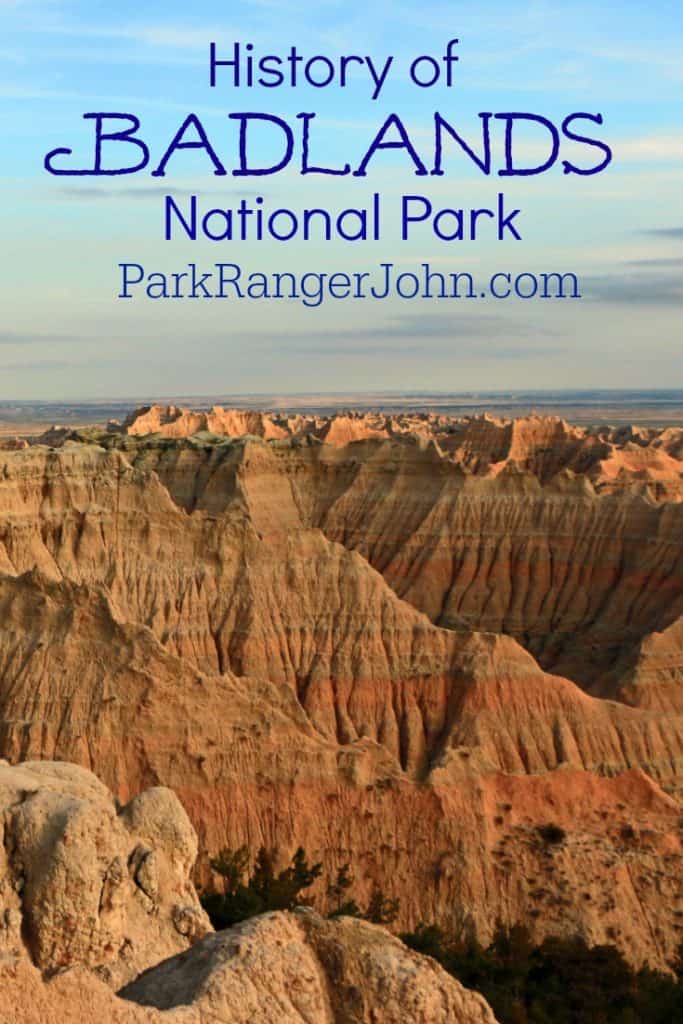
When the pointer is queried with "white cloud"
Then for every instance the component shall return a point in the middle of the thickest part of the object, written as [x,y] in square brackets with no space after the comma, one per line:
[652,148]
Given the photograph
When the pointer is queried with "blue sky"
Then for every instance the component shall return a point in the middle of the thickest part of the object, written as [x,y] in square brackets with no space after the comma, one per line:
[64,333]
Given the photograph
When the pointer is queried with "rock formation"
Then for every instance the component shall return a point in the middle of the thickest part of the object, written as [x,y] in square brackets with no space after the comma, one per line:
[82,883]
[298,968]
[641,460]
[407,642]
[90,896]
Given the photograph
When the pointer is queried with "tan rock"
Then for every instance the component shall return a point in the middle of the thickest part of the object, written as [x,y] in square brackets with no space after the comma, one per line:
[300,969]
[277,969]
[72,885]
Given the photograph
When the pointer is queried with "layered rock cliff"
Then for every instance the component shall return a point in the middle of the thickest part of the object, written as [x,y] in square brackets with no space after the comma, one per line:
[408,650]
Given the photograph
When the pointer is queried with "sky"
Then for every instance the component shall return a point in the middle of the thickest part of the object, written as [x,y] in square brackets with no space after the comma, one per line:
[64,333]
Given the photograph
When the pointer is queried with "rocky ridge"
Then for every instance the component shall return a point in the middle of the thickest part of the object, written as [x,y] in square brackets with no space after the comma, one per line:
[647,460]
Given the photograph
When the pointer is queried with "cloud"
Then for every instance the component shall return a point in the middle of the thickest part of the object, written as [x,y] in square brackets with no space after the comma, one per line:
[669,261]
[437,326]
[664,232]
[149,34]
[398,348]
[657,288]
[653,148]
[94,193]
[483,337]
[664,61]
[30,338]
[49,364]
[86,193]
[30,94]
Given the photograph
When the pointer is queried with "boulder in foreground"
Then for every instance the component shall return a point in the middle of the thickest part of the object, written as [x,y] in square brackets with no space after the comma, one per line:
[299,968]
[83,883]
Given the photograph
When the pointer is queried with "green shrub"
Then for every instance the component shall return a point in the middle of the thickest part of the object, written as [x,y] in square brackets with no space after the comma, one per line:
[265,890]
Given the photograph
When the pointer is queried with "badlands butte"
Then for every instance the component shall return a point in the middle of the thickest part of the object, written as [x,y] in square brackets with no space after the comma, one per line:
[407,642]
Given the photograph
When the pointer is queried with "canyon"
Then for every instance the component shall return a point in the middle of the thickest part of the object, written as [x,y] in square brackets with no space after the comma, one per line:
[410,642]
